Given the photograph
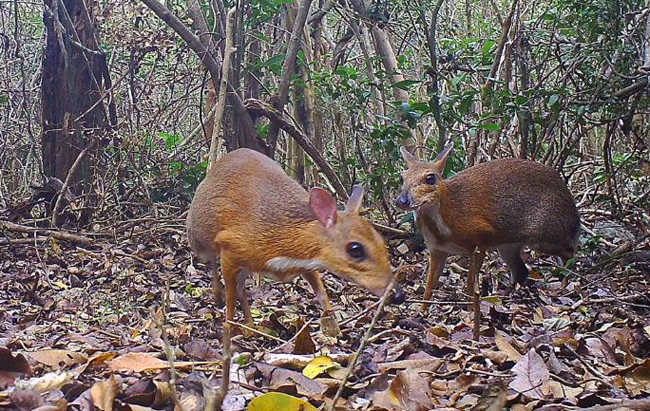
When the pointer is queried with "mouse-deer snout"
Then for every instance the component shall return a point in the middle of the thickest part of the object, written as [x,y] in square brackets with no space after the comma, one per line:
[403,202]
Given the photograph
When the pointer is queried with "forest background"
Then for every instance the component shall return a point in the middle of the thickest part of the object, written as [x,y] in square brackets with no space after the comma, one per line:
[107,118]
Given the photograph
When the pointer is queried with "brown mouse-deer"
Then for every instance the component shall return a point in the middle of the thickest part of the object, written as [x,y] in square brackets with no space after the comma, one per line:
[249,214]
[504,204]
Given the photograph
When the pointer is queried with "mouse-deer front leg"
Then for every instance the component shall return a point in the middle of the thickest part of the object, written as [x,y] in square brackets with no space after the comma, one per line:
[329,326]
[437,261]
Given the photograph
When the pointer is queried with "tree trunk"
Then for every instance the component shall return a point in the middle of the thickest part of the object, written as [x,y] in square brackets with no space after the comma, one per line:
[74,86]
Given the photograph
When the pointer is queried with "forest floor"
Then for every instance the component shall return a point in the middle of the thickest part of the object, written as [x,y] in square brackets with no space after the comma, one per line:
[82,324]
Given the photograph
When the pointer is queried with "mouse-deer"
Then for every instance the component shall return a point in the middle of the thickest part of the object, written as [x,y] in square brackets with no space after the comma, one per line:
[504,204]
[249,214]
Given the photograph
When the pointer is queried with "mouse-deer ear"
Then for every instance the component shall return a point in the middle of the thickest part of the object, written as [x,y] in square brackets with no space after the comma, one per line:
[408,157]
[323,205]
[355,200]
[441,159]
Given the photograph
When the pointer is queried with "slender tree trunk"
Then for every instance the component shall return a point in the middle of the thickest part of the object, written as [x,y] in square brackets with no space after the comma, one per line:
[75,92]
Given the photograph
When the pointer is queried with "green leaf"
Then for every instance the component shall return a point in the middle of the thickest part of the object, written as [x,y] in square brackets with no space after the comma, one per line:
[553,99]
[488,46]
[405,84]
[490,126]
[171,140]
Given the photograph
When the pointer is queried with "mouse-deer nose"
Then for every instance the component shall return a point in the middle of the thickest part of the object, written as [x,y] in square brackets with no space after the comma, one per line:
[398,296]
[403,201]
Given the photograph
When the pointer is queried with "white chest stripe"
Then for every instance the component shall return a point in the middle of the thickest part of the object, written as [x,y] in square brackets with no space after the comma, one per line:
[288,263]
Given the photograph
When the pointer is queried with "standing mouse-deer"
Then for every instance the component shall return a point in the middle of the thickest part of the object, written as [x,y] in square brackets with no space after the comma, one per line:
[504,204]
[249,214]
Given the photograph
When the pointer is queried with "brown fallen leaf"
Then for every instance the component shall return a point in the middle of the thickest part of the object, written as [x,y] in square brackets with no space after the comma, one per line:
[637,381]
[277,377]
[137,362]
[26,399]
[557,390]
[493,398]
[303,343]
[141,362]
[429,364]
[103,393]
[12,367]
[201,350]
[531,374]
[408,391]
[57,358]
[143,392]
[502,342]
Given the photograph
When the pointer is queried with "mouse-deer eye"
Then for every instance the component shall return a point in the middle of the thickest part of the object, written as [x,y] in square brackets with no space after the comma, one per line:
[356,250]
[431,179]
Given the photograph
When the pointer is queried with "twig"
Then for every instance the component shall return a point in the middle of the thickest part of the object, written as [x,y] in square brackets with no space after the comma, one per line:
[439,302]
[59,235]
[251,329]
[359,315]
[364,341]
[307,324]
[68,178]
[225,366]
[170,358]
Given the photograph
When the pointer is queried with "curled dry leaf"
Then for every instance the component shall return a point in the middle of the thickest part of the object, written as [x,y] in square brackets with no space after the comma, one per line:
[47,382]
[502,341]
[103,393]
[299,362]
[14,364]
[303,343]
[278,378]
[201,350]
[531,374]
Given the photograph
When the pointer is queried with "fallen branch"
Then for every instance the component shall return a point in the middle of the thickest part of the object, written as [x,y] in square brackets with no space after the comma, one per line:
[640,404]
[59,235]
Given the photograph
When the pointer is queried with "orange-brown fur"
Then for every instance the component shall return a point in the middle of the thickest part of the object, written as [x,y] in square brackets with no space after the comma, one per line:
[247,211]
[504,204]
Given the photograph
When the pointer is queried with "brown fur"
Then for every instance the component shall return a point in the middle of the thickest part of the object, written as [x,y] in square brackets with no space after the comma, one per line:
[247,211]
[504,204]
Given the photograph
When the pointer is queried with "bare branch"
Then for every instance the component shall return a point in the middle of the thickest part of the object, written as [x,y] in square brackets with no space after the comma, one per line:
[289,65]
[223,86]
